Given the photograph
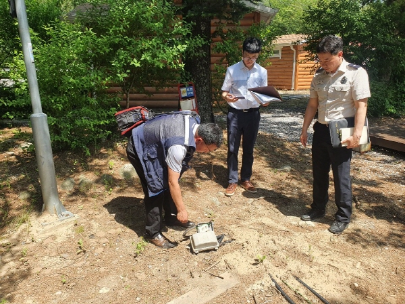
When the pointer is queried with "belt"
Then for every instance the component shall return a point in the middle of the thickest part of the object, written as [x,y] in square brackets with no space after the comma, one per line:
[243,110]
[323,124]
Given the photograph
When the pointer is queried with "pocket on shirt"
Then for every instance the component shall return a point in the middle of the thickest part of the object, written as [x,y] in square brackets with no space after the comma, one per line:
[341,88]
[321,90]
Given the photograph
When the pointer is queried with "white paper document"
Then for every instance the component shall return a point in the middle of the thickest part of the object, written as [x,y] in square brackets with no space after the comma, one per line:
[264,99]
[347,132]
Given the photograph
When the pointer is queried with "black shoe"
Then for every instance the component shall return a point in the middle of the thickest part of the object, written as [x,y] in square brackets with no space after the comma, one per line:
[338,227]
[176,222]
[160,241]
[312,215]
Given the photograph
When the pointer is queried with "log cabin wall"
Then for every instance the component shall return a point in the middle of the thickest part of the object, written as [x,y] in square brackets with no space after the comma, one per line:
[280,70]
[305,69]
[169,97]
[292,71]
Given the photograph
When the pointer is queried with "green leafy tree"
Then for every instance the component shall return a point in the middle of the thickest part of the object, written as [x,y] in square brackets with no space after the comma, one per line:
[289,17]
[144,42]
[40,13]
[8,33]
[132,43]
[73,91]
[14,99]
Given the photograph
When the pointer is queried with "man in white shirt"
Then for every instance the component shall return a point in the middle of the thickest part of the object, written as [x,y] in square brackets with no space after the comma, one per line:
[243,113]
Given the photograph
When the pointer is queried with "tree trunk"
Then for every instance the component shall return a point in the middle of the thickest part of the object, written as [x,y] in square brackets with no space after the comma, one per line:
[199,68]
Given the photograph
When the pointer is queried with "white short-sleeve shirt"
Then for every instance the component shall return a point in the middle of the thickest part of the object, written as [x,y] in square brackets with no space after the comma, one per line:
[238,79]
[336,92]
[175,156]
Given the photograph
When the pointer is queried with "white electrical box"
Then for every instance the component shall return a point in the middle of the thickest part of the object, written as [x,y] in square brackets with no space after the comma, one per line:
[204,241]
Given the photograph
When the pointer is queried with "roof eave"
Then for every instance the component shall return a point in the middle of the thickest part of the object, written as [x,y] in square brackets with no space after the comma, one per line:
[266,13]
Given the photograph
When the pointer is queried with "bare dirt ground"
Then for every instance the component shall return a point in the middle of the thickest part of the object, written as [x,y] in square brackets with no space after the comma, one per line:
[98,255]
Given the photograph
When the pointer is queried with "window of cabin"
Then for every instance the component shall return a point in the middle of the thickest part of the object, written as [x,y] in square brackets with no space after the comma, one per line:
[276,53]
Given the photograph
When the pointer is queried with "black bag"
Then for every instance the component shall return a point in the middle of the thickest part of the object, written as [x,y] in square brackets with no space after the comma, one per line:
[132,117]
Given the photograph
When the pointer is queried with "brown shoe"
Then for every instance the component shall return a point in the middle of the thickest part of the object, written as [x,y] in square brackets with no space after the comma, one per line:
[231,189]
[248,186]
[161,242]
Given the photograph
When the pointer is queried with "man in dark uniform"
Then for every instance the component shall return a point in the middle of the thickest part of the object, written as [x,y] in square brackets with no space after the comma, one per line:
[160,150]
[338,90]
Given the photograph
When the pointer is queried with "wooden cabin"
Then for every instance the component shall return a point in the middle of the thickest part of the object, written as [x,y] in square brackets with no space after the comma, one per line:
[169,97]
[290,67]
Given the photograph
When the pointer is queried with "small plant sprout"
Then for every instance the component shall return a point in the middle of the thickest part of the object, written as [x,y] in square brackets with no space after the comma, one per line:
[111,164]
[24,252]
[108,185]
[140,246]
[64,279]
[81,247]
[260,258]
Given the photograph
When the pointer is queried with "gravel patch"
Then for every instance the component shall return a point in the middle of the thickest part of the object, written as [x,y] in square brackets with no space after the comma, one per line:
[284,119]
[284,124]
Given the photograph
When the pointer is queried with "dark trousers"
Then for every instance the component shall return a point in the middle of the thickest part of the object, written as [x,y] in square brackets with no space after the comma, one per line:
[153,204]
[240,124]
[323,157]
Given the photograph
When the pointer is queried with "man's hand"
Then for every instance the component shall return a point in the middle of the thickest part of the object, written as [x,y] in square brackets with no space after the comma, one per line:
[182,216]
[304,138]
[310,112]
[228,97]
[352,141]
[360,117]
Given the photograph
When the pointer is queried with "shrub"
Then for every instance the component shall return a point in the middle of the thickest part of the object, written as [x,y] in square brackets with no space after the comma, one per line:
[73,88]
[386,99]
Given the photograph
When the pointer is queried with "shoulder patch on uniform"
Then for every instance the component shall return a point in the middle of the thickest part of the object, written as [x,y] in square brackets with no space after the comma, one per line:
[354,66]
[319,70]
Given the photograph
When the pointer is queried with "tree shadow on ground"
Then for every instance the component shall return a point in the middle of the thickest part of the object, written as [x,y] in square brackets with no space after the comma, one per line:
[8,284]
[288,206]
[21,270]
[394,239]
[128,211]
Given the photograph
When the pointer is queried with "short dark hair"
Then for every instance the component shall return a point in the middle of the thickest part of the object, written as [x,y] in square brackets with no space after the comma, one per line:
[252,45]
[330,44]
[210,133]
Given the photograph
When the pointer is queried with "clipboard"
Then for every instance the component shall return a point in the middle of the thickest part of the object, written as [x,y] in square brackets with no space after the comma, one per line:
[265,95]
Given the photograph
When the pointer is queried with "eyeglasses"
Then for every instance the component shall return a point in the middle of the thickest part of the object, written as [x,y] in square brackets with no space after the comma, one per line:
[209,148]
[248,58]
